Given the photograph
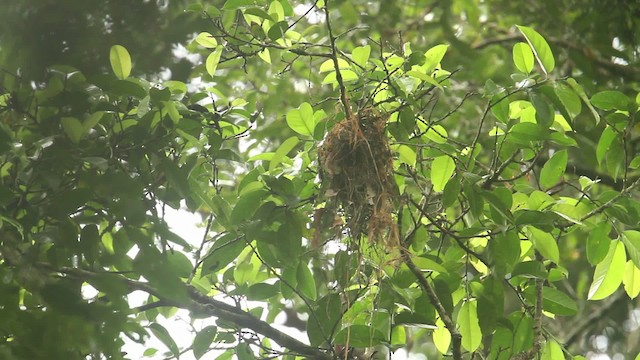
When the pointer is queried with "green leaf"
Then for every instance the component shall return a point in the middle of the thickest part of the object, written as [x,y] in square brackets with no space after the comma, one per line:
[580,91]
[523,57]
[610,100]
[500,108]
[163,335]
[441,337]
[544,243]
[265,55]
[553,169]
[225,249]
[469,326]
[540,48]
[92,121]
[243,352]
[437,133]
[306,283]
[282,152]
[120,61]
[553,301]
[551,351]
[631,240]
[203,340]
[631,280]
[604,144]
[301,120]
[598,243]
[360,336]
[433,57]
[213,60]
[73,128]
[442,169]
[360,55]
[328,65]
[207,40]
[608,274]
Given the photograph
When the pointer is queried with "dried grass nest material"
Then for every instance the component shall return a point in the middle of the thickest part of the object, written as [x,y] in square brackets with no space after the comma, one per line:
[356,168]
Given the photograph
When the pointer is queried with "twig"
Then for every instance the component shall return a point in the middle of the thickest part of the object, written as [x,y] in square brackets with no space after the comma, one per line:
[334,56]
[456,337]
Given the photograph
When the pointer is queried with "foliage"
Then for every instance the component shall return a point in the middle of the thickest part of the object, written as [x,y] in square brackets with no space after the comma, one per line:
[395,192]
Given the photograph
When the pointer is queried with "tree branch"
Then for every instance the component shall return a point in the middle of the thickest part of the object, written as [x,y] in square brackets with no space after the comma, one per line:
[456,337]
[334,56]
[201,303]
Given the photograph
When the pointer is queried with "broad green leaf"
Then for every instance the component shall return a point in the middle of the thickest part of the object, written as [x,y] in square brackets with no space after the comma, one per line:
[469,326]
[598,243]
[207,40]
[606,139]
[306,282]
[328,65]
[553,301]
[265,55]
[247,205]
[243,352]
[213,60]
[202,341]
[569,99]
[610,100]
[608,274]
[442,169]
[580,91]
[523,57]
[347,76]
[120,61]
[433,57]
[500,107]
[301,120]
[540,48]
[163,335]
[278,30]
[631,279]
[553,169]
[360,55]
[361,336]
[424,77]
[544,243]
[441,337]
[551,350]
[92,121]
[73,128]
[437,133]
[282,152]
[631,240]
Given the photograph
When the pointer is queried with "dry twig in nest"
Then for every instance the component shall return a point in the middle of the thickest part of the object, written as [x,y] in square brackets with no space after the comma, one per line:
[357,170]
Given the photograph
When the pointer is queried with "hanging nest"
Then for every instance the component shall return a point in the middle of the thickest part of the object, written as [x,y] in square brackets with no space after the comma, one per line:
[356,170]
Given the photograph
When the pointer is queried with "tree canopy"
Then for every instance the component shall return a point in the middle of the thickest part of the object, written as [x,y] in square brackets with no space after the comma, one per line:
[431,179]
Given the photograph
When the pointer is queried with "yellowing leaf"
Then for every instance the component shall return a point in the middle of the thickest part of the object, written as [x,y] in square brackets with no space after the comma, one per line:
[608,274]
[551,351]
[120,61]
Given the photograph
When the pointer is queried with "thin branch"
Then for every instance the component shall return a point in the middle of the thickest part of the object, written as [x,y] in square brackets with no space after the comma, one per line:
[456,337]
[204,304]
[334,56]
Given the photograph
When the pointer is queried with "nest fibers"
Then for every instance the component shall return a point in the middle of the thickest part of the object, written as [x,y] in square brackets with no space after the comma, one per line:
[356,169]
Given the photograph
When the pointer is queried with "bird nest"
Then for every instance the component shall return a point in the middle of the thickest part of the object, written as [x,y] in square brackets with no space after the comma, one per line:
[356,168]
